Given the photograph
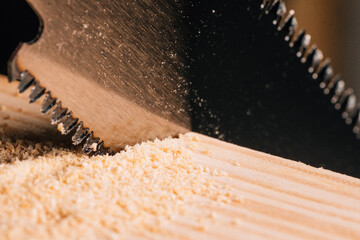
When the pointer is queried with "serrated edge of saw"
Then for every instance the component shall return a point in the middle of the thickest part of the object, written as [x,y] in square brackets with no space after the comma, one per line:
[60,116]
[319,68]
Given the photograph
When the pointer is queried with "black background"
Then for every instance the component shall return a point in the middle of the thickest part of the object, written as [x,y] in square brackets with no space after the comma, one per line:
[18,23]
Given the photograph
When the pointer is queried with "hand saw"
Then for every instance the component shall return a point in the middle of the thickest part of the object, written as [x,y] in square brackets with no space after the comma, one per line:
[113,73]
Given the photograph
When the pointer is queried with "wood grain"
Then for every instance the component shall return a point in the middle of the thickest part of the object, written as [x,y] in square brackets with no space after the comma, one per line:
[281,199]
[276,198]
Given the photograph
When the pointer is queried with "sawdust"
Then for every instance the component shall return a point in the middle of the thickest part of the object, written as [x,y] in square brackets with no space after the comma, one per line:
[56,193]
[20,149]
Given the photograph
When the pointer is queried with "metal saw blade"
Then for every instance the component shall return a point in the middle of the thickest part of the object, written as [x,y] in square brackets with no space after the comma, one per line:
[115,64]
[240,71]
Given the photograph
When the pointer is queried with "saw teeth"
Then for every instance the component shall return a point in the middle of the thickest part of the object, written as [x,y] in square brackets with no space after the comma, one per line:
[80,134]
[356,124]
[48,103]
[301,43]
[58,114]
[102,150]
[36,92]
[313,59]
[330,88]
[265,5]
[343,99]
[276,11]
[307,60]
[316,61]
[26,80]
[350,109]
[337,91]
[67,124]
[91,144]
[288,27]
[343,102]
[325,74]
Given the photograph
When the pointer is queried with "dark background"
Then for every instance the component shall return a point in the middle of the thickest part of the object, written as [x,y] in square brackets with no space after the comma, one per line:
[18,23]
[253,89]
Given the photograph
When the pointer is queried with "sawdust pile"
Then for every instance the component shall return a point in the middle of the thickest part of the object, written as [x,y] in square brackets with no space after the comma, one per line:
[13,150]
[60,194]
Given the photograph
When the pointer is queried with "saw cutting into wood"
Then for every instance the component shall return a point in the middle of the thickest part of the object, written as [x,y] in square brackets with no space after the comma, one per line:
[117,73]
[113,74]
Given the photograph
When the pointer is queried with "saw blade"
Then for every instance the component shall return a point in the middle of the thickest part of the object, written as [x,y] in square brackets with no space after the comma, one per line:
[113,64]
[269,88]
[236,70]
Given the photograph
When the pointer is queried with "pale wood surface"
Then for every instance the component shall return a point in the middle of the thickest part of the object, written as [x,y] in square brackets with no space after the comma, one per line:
[282,199]
[277,198]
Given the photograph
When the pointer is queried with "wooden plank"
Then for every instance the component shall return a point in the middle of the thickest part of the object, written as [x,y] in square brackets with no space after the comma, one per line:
[281,199]
[264,197]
